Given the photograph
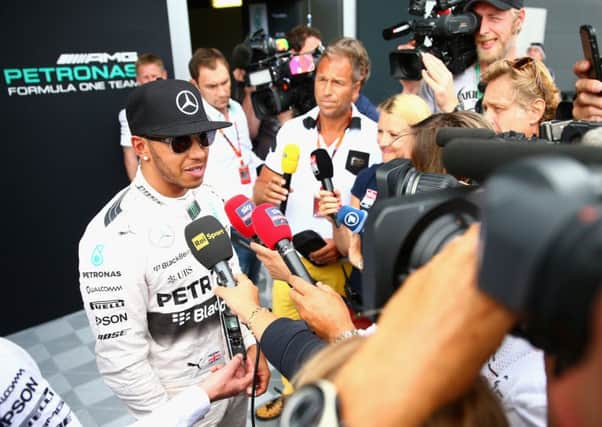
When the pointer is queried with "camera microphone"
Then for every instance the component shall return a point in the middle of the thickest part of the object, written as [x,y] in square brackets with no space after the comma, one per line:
[272,228]
[352,218]
[397,30]
[446,135]
[290,160]
[477,158]
[210,245]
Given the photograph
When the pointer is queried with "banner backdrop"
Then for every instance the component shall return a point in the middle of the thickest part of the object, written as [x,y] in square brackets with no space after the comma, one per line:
[66,68]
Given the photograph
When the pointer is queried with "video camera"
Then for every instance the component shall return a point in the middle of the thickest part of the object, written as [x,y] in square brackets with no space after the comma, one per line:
[448,33]
[282,80]
[541,234]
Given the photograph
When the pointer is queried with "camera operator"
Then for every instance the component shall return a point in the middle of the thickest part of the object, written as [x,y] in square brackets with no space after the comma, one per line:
[519,95]
[588,102]
[501,21]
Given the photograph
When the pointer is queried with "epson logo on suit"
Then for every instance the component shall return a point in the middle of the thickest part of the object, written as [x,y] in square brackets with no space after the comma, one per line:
[19,405]
[105,305]
[112,319]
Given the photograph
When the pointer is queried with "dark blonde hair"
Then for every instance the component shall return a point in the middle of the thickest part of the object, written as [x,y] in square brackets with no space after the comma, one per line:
[531,80]
[407,107]
[149,58]
[426,155]
[477,407]
[355,52]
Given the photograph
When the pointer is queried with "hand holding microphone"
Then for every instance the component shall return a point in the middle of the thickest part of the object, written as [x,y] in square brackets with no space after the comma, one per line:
[210,245]
[329,204]
[321,166]
[272,228]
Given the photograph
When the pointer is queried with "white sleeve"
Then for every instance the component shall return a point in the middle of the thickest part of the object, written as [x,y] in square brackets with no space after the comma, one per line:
[182,410]
[126,137]
[115,297]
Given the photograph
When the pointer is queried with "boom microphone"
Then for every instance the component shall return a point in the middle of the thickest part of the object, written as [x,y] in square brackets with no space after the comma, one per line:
[352,218]
[397,30]
[477,159]
[210,245]
[446,135]
[272,228]
[290,160]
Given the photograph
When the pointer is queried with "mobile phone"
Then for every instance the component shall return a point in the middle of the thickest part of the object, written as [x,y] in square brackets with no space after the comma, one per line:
[591,51]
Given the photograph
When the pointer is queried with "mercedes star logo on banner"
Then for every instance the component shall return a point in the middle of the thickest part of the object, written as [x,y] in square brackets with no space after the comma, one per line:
[187,102]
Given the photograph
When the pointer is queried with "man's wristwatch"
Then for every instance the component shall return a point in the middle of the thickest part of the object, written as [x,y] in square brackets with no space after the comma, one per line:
[313,405]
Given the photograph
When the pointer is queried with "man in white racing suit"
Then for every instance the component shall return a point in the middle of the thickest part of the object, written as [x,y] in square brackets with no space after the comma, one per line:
[149,302]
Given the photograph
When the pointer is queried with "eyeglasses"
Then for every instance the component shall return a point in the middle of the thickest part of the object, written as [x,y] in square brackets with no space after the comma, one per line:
[521,63]
[397,138]
[181,144]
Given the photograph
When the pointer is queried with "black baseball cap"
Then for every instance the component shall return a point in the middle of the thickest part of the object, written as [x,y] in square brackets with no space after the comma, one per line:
[499,4]
[168,108]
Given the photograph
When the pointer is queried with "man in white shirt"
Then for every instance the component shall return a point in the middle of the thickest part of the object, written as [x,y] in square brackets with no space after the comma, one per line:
[232,165]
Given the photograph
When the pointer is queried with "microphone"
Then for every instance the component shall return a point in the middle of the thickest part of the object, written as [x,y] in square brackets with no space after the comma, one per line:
[290,160]
[210,245]
[352,218]
[397,30]
[272,228]
[239,210]
[446,135]
[321,166]
[477,159]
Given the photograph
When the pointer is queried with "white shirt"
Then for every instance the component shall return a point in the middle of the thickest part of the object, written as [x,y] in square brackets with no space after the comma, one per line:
[126,136]
[356,143]
[467,90]
[223,166]
[517,375]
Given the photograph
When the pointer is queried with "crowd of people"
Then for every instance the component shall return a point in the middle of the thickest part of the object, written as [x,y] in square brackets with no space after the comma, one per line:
[441,353]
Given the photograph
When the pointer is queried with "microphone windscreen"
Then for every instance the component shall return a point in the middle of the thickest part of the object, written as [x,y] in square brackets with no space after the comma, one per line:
[479,159]
[445,135]
[270,225]
[208,241]
[321,164]
[239,210]
[352,218]
[290,158]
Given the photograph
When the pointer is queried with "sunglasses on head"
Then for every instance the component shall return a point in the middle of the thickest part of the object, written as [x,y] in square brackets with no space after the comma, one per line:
[181,144]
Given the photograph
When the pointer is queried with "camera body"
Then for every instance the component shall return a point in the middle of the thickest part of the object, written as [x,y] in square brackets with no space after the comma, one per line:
[541,239]
[282,80]
[447,33]
[566,131]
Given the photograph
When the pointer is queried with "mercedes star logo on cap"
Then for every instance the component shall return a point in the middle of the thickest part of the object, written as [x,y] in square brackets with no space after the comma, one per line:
[187,102]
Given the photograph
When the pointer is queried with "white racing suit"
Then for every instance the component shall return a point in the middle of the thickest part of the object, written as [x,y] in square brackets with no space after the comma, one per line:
[26,398]
[150,304]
